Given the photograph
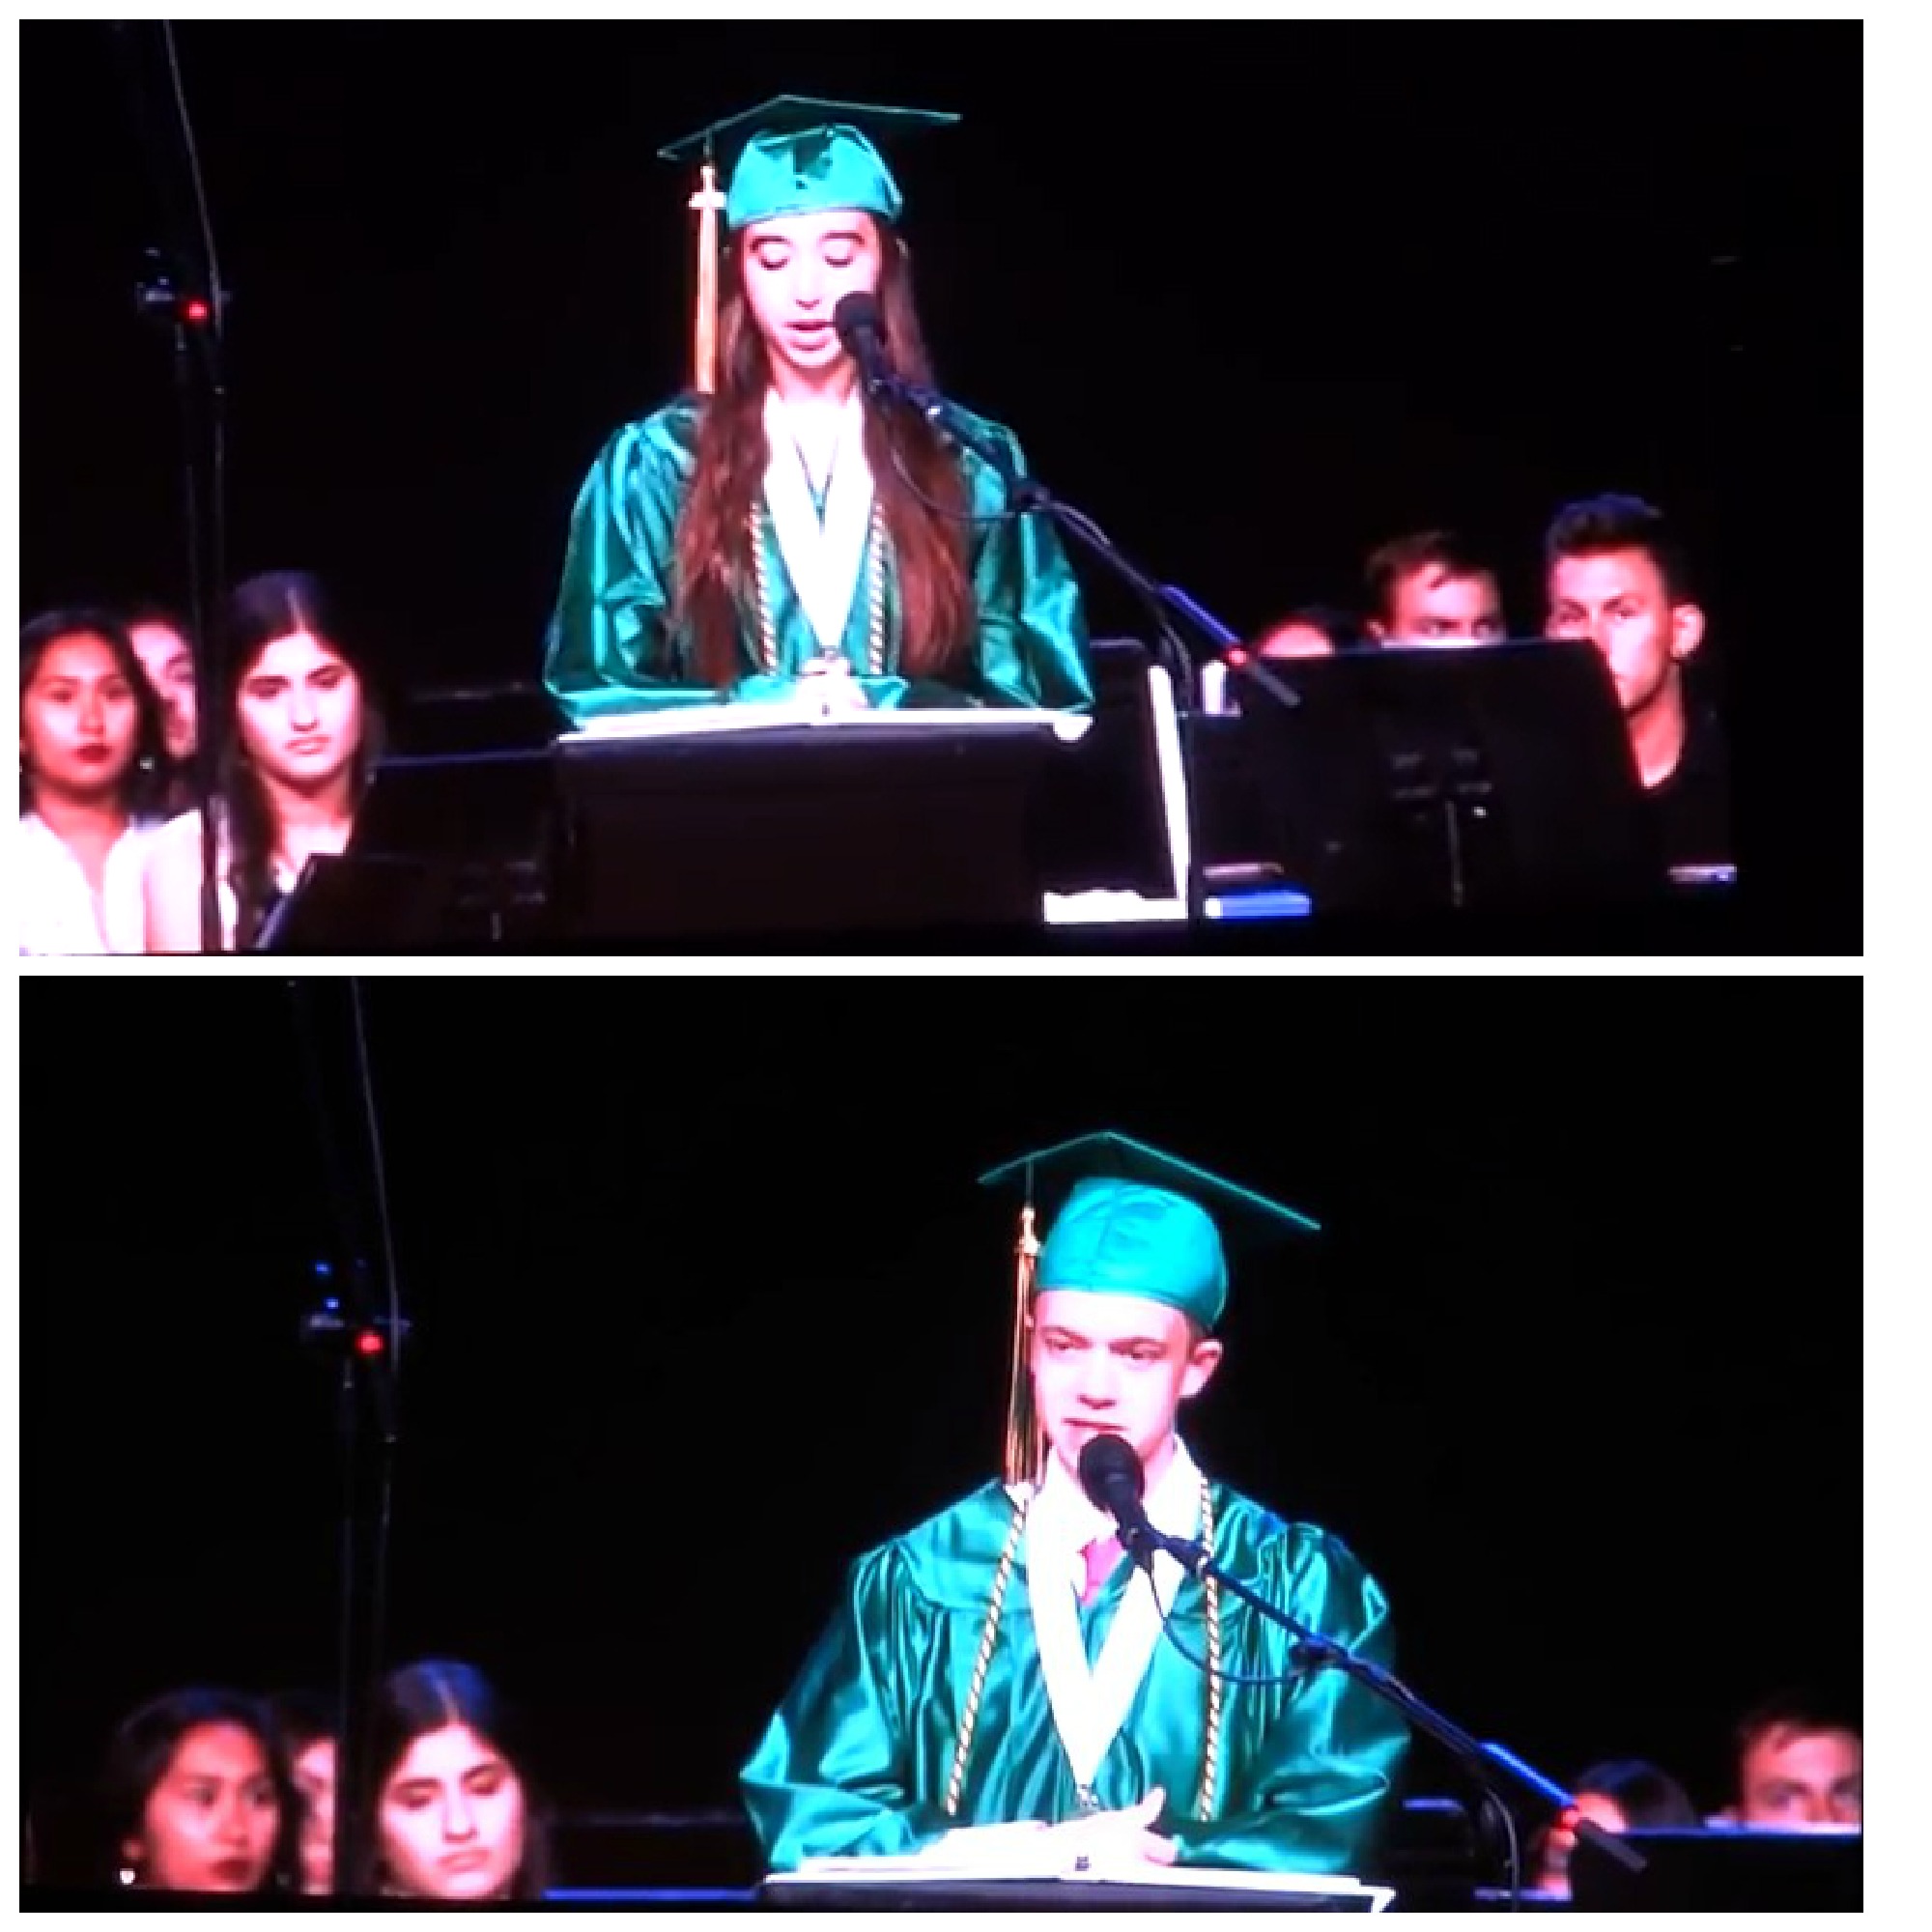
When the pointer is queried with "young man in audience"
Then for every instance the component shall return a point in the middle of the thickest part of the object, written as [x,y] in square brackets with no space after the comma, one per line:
[1432,589]
[1615,573]
[1800,1765]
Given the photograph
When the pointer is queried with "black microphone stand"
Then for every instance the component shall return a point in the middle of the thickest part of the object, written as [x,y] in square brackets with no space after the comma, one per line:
[358,1346]
[359,1334]
[1026,495]
[1313,1652]
[180,292]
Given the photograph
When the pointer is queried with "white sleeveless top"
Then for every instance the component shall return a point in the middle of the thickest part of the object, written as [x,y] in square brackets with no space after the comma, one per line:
[55,909]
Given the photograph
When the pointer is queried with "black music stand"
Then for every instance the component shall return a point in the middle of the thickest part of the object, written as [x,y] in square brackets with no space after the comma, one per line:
[1726,1870]
[344,905]
[477,830]
[1103,824]
[1419,778]
[439,721]
[793,831]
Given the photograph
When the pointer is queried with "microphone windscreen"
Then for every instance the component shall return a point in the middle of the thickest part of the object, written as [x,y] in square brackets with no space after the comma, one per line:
[1106,1463]
[855,314]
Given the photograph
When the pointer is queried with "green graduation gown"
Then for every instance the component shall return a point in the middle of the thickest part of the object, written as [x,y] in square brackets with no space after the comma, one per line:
[610,647]
[857,1759]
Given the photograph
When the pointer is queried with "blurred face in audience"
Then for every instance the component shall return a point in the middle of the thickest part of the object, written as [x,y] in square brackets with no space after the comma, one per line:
[314,1773]
[80,721]
[1432,606]
[451,1818]
[210,1823]
[1296,639]
[299,711]
[170,666]
[1794,1778]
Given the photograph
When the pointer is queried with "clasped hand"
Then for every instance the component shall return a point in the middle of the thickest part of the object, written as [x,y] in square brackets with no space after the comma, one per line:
[1115,1838]
[829,685]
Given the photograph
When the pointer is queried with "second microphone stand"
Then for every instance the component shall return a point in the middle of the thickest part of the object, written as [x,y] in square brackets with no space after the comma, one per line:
[1026,495]
[1492,1763]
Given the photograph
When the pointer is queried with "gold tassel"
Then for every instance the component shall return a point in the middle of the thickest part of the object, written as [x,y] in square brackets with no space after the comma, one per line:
[708,203]
[1025,1440]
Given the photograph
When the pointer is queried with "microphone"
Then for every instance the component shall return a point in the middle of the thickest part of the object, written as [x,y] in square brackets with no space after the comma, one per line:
[1111,1474]
[862,335]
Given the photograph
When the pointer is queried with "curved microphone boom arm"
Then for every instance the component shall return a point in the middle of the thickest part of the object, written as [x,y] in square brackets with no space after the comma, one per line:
[1111,1474]
[860,329]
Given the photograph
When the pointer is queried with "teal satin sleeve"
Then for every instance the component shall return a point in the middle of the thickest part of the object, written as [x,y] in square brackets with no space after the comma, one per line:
[1312,1767]
[1033,624]
[832,1776]
[610,647]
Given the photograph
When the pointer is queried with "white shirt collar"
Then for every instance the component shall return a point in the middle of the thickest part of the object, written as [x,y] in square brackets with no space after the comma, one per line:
[1062,1522]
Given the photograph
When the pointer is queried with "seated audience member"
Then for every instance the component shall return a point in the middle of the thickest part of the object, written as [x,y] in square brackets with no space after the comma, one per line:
[1615,573]
[91,781]
[1432,588]
[1310,631]
[160,642]
[302,737]
[1619,1795]
[1800,1765]
[305,1730]
[195,1796]
[456,1814]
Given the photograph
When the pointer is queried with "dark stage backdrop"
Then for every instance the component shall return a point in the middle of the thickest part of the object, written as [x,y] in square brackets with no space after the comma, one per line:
[706,1303]
[1255,297]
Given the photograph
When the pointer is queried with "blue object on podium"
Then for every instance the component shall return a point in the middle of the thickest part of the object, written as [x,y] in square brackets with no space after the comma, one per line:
[744,822]
[1260,902]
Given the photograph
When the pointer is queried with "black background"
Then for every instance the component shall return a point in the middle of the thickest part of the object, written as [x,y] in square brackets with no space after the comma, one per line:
[706,1302]
[1255,297]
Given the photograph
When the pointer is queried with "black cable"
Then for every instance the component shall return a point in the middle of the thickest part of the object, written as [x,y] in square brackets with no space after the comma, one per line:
[1514,1856]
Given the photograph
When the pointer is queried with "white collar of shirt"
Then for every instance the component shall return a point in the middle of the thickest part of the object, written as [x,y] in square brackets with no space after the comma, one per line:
[1091,1703]
[1061,1520]
[824,560]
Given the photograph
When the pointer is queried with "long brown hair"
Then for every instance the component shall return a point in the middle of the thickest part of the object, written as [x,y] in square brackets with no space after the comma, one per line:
[937,617]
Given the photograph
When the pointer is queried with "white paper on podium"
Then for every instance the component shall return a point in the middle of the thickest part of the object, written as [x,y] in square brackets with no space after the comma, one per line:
[1013,1860]
[696,721]
[1103,905]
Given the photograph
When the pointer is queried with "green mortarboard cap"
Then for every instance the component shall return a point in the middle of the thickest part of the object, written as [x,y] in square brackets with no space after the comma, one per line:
[1138,1221]
[797,156]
